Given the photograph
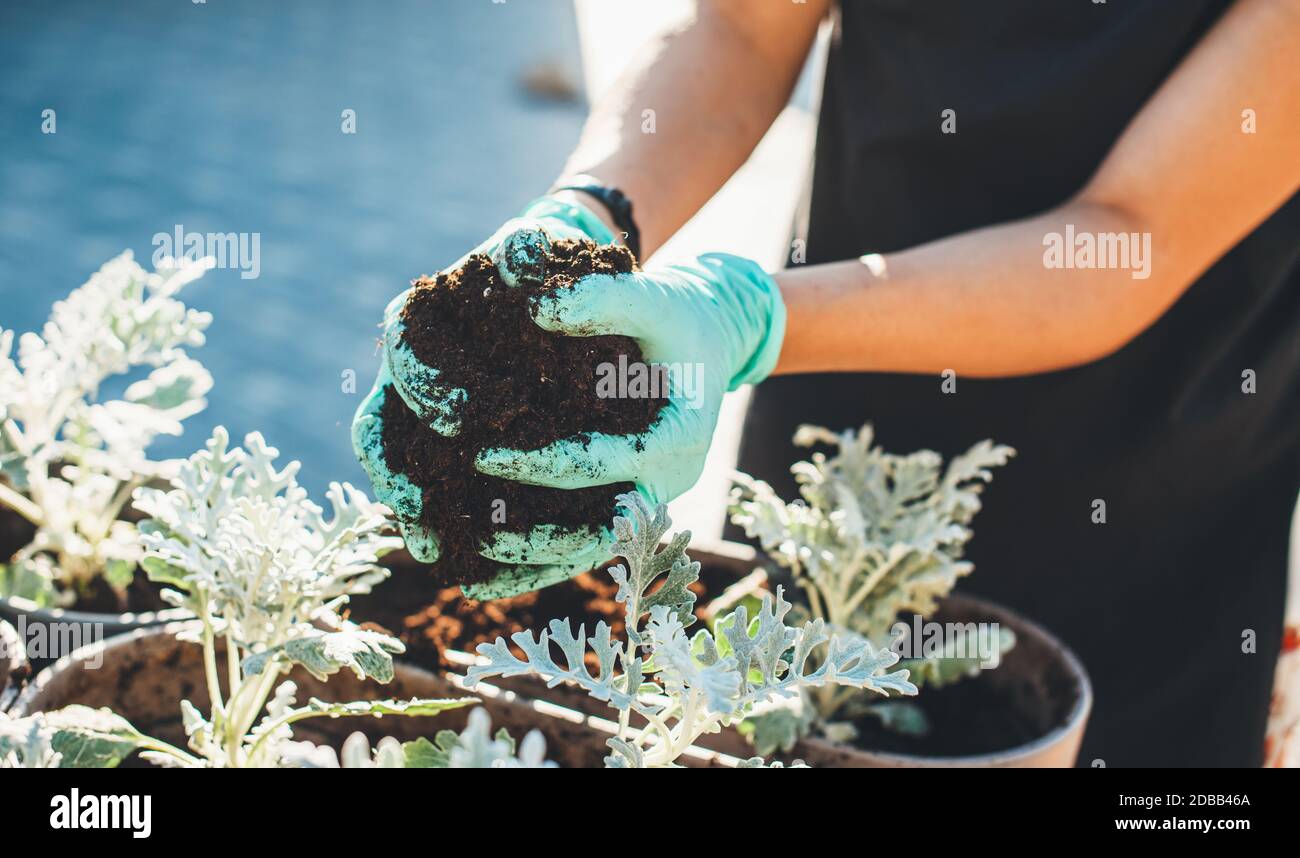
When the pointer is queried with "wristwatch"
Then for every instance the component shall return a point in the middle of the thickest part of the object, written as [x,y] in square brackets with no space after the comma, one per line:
[614,200]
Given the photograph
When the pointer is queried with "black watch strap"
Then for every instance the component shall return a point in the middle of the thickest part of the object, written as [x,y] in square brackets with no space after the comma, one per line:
[614,200]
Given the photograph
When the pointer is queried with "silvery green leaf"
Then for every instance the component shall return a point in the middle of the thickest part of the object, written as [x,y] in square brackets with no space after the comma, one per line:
[13,470]
[682,674]
[422,753]
[163,573]
[476,748]
[389,755]
[900,716]
[624,755]
[191,718]
[87,738]
[778,660]
[960,657]
[34,579]
[177,389]
[852,661]
[305,755]
[779,725]
[538,660]
[357,754]
[119,574]
[414,707]
[368,654]
[637,542]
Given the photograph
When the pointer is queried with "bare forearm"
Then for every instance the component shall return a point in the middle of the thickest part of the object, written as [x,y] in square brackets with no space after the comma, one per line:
[982,303]
[691,108]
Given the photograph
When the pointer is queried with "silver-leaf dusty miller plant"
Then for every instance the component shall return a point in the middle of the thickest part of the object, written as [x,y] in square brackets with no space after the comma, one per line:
[265,570]
[874,535]
[678,686]
[68,461]
[475,747]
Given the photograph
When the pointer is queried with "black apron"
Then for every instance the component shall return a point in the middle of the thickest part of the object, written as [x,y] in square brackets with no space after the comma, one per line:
[1199,478]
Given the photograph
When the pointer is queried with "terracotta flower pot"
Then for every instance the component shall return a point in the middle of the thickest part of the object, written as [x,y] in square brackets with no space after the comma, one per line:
[13,665]
[145,674]
[1046,681]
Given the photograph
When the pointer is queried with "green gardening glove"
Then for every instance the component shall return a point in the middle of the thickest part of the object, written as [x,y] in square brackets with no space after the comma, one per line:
[716,324]
[557,555]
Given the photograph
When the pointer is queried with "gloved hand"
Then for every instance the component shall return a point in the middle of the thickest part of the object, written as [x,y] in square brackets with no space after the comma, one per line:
[557,555]
[717,324]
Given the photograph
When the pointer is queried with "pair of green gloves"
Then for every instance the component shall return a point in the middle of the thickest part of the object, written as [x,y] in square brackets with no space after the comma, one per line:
[723,314]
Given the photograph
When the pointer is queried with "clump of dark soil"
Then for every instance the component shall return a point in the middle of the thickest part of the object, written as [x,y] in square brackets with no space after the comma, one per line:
[526,388]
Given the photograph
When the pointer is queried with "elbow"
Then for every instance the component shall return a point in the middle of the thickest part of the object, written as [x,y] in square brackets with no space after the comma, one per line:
[1127,274]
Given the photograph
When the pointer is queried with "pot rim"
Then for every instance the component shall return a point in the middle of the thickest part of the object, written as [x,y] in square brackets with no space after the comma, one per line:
[141,619]
[1073,722]
[68,661]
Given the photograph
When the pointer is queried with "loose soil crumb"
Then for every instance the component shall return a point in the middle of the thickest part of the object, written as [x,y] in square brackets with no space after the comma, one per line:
[526,388]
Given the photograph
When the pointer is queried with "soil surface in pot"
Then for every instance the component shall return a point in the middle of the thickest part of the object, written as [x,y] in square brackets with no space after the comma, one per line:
[979,715]
[526,387]
[449,621]
[142,595]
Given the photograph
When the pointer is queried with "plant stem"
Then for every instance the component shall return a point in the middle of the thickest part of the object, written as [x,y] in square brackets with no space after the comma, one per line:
[242,720]
[815,601]
[852,603]
[9,429]
[152,744]
[232,662]
[120,497]
[21,505]
[210,656]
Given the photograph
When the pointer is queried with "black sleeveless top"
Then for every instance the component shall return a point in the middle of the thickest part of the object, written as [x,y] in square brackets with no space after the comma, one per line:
[1199,478]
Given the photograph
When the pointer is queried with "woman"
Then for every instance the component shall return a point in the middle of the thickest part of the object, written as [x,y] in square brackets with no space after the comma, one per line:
[1071,228]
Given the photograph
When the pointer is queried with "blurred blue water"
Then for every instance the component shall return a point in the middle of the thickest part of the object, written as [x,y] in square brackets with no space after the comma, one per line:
[225,117]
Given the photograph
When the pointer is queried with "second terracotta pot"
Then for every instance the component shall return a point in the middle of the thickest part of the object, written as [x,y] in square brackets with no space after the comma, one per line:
[1040,674]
